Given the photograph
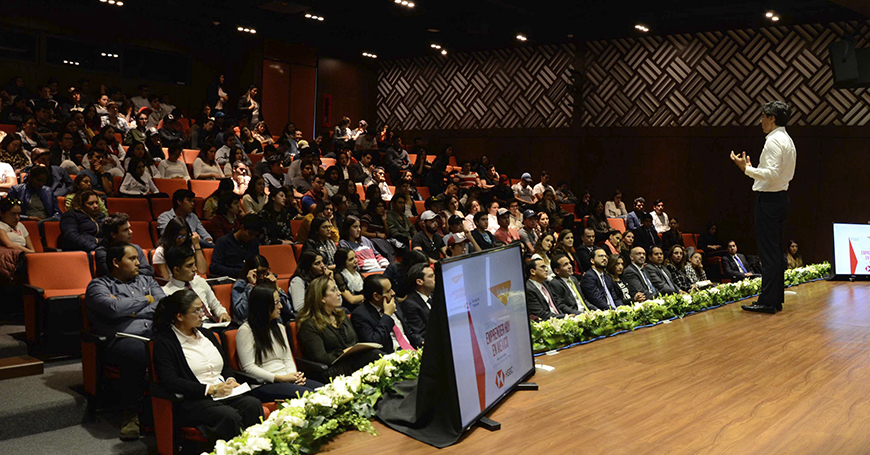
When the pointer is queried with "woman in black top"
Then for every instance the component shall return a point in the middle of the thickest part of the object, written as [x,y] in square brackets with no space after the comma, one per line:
[276,219]
[325,331]
[178,317]
[709,243]
[318,240]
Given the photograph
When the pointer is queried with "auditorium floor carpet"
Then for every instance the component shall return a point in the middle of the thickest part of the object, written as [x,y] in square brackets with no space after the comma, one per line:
[719,382]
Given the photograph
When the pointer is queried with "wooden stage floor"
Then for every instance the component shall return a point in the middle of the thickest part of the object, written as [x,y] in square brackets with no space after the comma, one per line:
[720,382]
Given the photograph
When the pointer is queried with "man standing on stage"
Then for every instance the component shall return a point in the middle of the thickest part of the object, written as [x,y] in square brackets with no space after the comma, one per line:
[775,170]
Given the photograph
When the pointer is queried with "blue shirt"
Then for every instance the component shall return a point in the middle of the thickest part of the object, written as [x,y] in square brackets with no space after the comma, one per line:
[23,193]
[116,306]
[191,219]
[230,255]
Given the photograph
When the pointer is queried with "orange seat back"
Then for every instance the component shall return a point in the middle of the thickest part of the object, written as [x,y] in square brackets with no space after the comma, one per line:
[35,238]
[295,226]
[141,235]
[9,129]
[294,339]
[689,240]
[421,206]
[160,205]
[297,250]
[190,155]
[42,270]
[232,355]
[116,183]
[361,191]
[224,294]
[136,208]
[170,186]
[51,231]
[617,223]
[61,203]
[424,192]
[203,188]
[281,259]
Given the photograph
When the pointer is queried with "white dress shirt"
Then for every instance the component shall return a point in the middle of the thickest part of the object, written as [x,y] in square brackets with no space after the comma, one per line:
[203,290]
[578,300]
[202,357]
[425,299]
[278,361]
[660,222]
[776,165]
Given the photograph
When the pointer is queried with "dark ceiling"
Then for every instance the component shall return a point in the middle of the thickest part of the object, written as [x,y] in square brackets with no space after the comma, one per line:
[391,31]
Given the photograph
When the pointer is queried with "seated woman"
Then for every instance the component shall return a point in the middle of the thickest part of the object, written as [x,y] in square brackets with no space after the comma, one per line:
[205,167]
[374,226]
[348,278]
[694,270]
[264,350]
[173,167]
[189,360]
[333,180]
[276,219]
[249,142]
[615,208]
[368,259]
[12,153]
[13,234]
[138,150]
[354,203]
[325,210]
[209,210]
[137,182]
[673,236]
[310,266]
[597,221]
[543,251]
[615,267]
[256,272]
[177,233]
[240,176]
[80,228]
[614,239]
[81,183]
[473,208]
[255,196]
[792,258]
[262,134]
[675,262]
[325,332]
[228,218]
[565,245]
[319,240]
[626,245]
[709,243]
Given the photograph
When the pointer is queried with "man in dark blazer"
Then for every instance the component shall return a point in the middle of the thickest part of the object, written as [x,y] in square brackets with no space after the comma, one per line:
[636,277]
[566,286]
[734,264]
[597,286]
[658,275]
[541,299]
[646,236]
[374,319]
[359,171]
[584,251]
[418,303]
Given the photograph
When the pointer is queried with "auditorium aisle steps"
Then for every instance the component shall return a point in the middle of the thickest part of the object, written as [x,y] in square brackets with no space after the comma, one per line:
[47,414]
[14,361]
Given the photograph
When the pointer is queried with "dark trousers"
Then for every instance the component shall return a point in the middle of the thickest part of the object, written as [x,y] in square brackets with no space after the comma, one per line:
[283,390]
[130,356]
[224,419]
[771,212]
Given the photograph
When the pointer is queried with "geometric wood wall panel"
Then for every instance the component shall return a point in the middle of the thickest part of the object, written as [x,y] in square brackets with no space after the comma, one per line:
[524,87]
[720,78]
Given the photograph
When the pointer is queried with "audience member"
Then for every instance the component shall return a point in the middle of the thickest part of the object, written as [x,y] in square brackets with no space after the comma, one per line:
[505,234]
[675,264]
[257,272]
[314,196]
[541,300]
[30,137]
[483,238]
[79,228]
[138,182]
[564,195]
[660,218]
[379,320]
[459,241]
[276,219]
[418,304]
[182,207]
[598,286]
[181,262]
[734,264]
[694,270]
[613,242]
[255,197]
[427,239]
[232,250]
[598,221]
[565,284]
[228,216]
[177,233]
[543,251]
[793,259]
[673,236]
[116,230]
[173,167]
[37,202]
[565,245]
[584,252]
[13,234]
[347,278]
[12,153]
[205,167]
[626,245]
[615,208]
[523,191]
[367,257]
[636,277]
[709,243]
[320,241]
[59,181]
[615,268]
[633,220]
[538,190]
[398,224]
[658,274]
[645,236]
[529,232]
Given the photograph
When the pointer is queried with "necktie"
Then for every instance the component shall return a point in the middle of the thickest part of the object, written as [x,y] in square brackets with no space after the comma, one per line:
[207,313]
[647,281]
[606,292]
[652,237]
[740,264]
[668,279]
[429,302]
[549,299]
[400,337]
[578,295]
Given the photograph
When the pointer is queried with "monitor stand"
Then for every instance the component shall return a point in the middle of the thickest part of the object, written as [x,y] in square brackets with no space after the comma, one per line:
[492,425]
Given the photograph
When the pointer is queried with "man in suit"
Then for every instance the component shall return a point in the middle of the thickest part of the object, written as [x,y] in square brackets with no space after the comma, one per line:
[658,275]
[418,303]
[597,286]
[379,320]
[566,286]
[541,299]
[646,236]
[584,252]
[734,264]
[635,277]
[361,171]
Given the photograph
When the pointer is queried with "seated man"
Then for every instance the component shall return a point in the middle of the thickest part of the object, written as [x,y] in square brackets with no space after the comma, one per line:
[361,171]
[181,263]
[59,180]
[182,207]
[566,286]
[64,154]
[467,177]
[124,301]
[302,183]
[427,239]
[225,153]
[659,276]
[485,240]
[523,191]
[584,251]
[529,232]
[101,180]
[646,236]
[80,228]
[37,202]
[597,286]
[379,320]
[632,221]
[636,277]
[541,299]
[734,264]
[116,230]
[660,218]
[505,234]
[313,198]
[418,303]
[232,250]
[379,176]
[275,177]
[538,190]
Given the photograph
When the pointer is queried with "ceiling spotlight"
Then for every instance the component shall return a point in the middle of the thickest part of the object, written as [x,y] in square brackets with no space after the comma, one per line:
[111,2]
[522,37]
[119,3]
[775,18]
[435,46]
[398,1]
[443,51]
[77,63]
[253,31]
[320,18]
[404,3]
[101,1]
[411,4]
[769,14]
[103,54]
[240,29]
[641,28]
[66,61]
[308,16]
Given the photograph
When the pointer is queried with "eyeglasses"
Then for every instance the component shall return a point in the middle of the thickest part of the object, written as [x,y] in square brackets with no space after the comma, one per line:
[200,311]
[182,236]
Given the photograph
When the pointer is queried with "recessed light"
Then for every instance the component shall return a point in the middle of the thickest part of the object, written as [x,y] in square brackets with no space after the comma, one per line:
[435,46]
[775,18]
[769,15]
[433,30]
[66,61]
[411,4]
[308,16]
[522,37]
[443,51]
[240,29]
[320,18]
[119,3]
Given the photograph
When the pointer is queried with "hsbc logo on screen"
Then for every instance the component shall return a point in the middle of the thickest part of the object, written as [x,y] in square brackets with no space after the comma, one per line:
[501,375]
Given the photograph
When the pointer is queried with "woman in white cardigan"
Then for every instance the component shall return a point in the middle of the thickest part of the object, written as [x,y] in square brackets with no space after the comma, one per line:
[137,182]
[205,167]
[263,349]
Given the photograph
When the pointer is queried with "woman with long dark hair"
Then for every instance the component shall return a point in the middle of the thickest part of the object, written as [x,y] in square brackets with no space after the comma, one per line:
[249,106]
[348,279]
[262,134]
[793,259]
[347,188]
[138,150]
[227,219]
[204,166]
[264,350]
[199,371]
[320,240]
[255,196]
[367,257]
[81,183]
[209,210]
[177,233]
[138,182]
[310,266]
[276,219]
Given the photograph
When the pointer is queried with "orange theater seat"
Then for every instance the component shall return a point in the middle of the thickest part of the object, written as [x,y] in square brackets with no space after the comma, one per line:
[51,234]
[204,188]
[141,234]
[224,294]
[421,206]
[9,129]
[281,259]
[190,155]
[136,208]
[35,237]
[689,240]
[424,192]
[170,186]
[47,288]
[617,223]
[160,205]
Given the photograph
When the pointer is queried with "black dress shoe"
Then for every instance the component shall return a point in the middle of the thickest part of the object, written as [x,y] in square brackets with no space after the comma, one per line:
[755,307]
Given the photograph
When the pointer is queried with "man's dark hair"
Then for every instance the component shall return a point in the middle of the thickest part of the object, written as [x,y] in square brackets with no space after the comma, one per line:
[555,259]
[180,195]
[154,97]
[251,222]
[645,216]
[639,199]
[115,252]
[454,220]
[530,265]
[176,256]
[142,87]
[479,215]
[595,250]
[225,201]
[113,222]
[780,110]
[415,273]
[372,284]
[37,171]
[657,201]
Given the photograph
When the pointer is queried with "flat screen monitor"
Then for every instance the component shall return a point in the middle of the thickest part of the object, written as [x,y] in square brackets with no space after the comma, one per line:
[490,339]
[851,249]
